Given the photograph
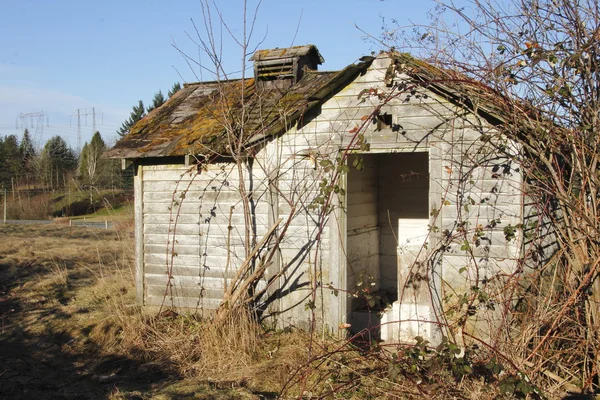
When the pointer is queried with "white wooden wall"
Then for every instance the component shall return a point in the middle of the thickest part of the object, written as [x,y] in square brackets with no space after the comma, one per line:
[363,225]
[459,176]
[185,225]
[465,186]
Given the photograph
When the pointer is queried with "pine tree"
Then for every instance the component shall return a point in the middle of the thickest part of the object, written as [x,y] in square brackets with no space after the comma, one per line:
[176,88]
[26,150]
[10,160]
[27,153]
[57,161]
[157,101]
[137,113]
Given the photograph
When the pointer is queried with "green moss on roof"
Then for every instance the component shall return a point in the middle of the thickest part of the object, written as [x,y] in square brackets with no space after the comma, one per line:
[201,117]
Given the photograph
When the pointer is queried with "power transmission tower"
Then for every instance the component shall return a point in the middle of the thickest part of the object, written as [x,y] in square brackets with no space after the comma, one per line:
[84,113]
[35,122]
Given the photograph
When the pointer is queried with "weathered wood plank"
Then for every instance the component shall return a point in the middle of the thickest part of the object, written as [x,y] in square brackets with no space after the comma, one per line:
[357,88]
[363,209]
[138,190]
[485,187]
[295,242]
[202,218]
[400,111]
[510,251]
[194,208]
[186,281]
[485,267]
[157,269]
[177,293]
[195,261]
[225,196]
[365,221]
[187,248]
[485,212]
[180,228]
[184,302]
[357,198]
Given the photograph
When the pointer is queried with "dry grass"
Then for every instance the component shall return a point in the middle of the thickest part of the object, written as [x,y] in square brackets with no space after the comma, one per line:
[71,291]
[23,207]
[77,283]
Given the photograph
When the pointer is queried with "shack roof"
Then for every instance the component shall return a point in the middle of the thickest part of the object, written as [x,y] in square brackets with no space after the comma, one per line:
[455,86]
[202,117]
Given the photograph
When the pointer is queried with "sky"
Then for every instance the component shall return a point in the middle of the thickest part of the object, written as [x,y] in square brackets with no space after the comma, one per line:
[63,55]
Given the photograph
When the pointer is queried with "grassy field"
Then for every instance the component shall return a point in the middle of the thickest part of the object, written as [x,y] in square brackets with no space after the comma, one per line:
[66,304]
[70,329]
[105,205]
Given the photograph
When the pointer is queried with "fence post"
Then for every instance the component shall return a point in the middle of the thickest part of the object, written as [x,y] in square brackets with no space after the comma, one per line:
[5,205]
[106,224]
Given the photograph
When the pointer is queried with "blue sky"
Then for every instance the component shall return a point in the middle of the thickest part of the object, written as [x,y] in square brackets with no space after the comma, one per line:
[63,55]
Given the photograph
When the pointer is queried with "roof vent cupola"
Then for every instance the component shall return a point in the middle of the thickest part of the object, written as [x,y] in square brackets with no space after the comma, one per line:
[281,68]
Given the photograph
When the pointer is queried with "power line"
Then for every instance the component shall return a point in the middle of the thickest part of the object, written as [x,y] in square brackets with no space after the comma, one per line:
[35,120]
[84,113]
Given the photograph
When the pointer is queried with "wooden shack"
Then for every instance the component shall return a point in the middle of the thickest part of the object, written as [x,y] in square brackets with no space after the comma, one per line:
[390,179]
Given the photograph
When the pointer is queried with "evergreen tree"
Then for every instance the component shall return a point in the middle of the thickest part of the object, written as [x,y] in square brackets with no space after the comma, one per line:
[27,153]
[176,88]
[26,150]
[57,162]
[10,160]
[157,101]
[137,113]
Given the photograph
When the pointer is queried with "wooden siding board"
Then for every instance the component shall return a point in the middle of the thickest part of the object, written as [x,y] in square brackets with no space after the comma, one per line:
[184,302]
[225,196]
[410,113]
[218,171]
[182,270]
[190,248]
[198,260]
[214,296]
[188,282]
[139,234]
[221,221]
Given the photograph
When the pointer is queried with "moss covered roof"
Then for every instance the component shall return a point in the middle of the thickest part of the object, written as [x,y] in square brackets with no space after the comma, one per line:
[202,118]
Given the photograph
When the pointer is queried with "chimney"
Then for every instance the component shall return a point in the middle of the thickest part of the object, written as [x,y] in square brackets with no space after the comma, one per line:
[281,68]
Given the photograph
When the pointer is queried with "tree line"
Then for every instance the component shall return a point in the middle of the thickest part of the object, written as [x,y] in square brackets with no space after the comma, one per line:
[56,164]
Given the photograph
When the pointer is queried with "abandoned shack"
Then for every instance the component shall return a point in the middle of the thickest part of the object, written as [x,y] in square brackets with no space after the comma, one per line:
[367,197]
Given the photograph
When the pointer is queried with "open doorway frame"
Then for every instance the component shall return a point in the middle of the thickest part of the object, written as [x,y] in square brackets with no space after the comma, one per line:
[390,187]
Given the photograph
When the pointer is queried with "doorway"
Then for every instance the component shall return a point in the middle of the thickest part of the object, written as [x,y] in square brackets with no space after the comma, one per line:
[387,200]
